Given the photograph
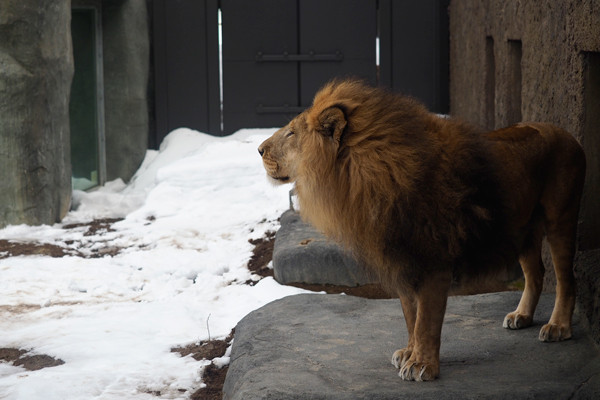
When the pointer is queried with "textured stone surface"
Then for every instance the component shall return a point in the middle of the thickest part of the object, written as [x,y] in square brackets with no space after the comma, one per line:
[559,73]
[588,275]
[339,347]
[303,255]
[126,68]
[36,68]
[552,35]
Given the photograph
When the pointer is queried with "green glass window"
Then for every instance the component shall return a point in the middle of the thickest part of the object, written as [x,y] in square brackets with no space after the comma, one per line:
[86,106]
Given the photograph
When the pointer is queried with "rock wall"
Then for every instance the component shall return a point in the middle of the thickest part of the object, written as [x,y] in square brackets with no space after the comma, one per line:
[36,68]
[513,60]
[588,274]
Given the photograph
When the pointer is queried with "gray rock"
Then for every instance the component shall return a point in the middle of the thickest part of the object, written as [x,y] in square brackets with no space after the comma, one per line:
[302,254]
[36,68]
[339,347]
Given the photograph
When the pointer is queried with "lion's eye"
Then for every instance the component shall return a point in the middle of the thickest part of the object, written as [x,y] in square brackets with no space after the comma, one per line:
[290,133]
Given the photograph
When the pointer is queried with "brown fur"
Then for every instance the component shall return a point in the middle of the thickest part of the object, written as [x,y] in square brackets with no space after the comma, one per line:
[425,201]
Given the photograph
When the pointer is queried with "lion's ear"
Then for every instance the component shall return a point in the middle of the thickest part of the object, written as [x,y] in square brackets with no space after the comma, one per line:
[332,122]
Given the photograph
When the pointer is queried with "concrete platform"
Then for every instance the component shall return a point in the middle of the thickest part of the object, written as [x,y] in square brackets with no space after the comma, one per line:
[339,347]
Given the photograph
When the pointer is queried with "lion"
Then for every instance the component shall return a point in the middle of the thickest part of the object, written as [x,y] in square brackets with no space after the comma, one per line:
[427,202]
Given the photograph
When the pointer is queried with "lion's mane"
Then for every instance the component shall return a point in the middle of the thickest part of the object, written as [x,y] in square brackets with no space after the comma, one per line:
[400,185]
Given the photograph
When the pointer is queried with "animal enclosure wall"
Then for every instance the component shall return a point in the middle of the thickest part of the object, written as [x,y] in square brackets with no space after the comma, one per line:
[537,60]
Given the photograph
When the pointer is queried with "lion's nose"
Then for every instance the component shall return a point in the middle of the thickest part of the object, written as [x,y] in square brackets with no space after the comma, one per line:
[261,151]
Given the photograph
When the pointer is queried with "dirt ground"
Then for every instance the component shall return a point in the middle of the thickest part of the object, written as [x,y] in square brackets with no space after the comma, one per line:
[31,362]
[11,248]
[212,376]
[8,248]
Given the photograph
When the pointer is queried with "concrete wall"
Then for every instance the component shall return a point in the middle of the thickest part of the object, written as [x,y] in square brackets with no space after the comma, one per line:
[36,68]
[126,47]
[513,60]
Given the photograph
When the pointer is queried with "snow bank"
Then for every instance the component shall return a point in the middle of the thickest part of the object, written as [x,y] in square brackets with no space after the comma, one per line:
[183,247]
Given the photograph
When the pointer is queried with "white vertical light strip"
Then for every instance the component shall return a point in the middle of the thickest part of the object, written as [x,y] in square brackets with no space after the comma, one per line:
[377,51]
[220,34]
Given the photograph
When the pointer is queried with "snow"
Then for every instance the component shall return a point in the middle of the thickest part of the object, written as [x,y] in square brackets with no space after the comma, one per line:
[180,275]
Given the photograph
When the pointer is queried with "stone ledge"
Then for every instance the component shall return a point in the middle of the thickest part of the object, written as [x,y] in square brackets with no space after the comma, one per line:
[303,255]
[339,347]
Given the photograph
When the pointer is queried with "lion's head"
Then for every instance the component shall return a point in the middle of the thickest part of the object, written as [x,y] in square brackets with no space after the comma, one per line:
[279,154]
[318,128]
[347,157]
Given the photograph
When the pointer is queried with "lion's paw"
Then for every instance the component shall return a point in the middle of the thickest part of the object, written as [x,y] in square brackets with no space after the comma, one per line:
[416,371]
[554,333]
[515,320]
[400,357]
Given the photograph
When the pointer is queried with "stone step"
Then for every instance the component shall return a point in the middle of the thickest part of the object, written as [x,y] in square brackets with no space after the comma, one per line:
[303,255]
[331,347]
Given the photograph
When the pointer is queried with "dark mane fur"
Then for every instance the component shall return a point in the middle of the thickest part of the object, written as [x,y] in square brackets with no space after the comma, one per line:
[404,186]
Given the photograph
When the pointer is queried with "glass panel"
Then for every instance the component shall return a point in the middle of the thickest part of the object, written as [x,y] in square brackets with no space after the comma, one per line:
[83,106]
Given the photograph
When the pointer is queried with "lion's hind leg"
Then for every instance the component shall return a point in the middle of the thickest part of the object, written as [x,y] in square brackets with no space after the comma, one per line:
[533,271]
[560,202]
[561,237]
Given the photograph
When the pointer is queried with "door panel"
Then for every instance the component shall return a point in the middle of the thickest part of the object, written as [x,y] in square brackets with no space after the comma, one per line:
[249,28]
[250,88]
[186,61]
[303,44]
[414,51]
[349,28]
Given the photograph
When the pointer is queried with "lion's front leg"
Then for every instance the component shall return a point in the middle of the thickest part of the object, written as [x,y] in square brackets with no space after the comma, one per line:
[409,308]
[419,361]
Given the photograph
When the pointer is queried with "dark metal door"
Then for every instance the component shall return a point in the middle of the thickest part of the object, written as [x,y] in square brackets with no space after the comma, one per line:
[414,50]
[347,28]
[252,28]
[276,54]
[186,61]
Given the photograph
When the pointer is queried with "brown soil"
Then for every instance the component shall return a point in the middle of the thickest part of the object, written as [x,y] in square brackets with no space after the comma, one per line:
[206,349]
[34,362]
[212,376]
[262,254]
[11,248]
[96,227]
